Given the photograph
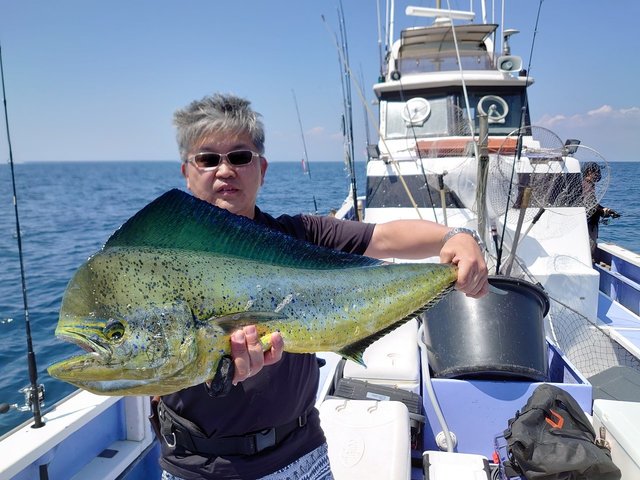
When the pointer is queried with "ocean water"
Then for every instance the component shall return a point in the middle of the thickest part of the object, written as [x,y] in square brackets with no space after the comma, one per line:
[68,210]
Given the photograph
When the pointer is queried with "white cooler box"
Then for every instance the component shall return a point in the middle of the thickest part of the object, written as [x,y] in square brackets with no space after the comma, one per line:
[367,439]
[622,423]
[393,360]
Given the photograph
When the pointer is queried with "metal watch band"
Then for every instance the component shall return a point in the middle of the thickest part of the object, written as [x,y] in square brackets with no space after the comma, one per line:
[457,230]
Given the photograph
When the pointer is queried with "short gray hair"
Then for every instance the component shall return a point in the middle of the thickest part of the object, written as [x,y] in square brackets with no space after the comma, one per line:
[217,113]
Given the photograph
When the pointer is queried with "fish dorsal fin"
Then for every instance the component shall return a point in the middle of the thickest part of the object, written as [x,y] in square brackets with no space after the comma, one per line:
[178,220]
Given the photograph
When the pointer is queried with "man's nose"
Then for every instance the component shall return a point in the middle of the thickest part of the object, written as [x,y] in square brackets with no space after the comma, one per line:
[225,169]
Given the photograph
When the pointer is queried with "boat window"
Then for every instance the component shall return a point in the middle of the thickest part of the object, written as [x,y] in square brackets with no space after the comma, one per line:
[448,116]
[399,126]
[505,106]
[416,59]
[388,191]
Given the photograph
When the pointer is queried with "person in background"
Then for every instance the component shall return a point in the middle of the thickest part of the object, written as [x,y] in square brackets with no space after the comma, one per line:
[591,174]
[263,423]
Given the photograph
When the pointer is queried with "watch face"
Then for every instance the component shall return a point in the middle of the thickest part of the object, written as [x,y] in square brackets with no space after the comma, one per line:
[416,110]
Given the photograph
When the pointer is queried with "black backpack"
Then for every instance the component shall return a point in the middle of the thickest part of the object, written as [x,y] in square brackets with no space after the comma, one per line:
[552,438]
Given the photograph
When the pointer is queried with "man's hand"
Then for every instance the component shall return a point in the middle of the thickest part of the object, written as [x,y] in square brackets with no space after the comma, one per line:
[248,356]
[462,250]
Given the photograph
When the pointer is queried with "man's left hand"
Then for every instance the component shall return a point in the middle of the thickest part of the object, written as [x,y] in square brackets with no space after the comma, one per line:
[462,250]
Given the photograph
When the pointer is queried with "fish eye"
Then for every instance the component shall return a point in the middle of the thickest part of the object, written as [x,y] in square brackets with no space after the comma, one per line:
[114,330]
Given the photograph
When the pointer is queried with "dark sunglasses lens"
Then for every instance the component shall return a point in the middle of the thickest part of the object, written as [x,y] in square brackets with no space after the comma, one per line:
[240,157]
[207,160]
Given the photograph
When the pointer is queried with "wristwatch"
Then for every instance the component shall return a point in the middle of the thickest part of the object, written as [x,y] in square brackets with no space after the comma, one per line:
[457,230]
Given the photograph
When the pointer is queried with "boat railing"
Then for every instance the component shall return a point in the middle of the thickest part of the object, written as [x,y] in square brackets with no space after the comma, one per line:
[619,275]
[85,436]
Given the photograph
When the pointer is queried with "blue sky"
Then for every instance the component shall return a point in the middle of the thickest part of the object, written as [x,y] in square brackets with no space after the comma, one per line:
[90,80]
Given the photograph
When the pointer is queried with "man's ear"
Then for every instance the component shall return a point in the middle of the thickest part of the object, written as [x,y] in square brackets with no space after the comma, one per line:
[183,169]
[264,164]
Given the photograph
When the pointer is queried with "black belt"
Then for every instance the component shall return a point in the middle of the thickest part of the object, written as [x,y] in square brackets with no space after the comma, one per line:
[181,434]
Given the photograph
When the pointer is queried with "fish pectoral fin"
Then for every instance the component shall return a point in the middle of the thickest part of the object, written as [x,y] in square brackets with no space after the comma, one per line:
[232,322]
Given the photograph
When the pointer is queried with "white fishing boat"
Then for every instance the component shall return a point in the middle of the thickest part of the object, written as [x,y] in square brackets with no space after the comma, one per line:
[455,146]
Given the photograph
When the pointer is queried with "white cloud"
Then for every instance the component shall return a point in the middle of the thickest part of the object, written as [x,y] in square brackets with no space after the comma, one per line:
[615,133]
[316,131]
[605,110]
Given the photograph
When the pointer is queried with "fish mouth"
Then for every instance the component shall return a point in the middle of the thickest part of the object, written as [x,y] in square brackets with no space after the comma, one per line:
[97,355]
[91,345]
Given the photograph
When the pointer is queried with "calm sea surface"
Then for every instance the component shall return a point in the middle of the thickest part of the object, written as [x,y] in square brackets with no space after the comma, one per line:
[68,210]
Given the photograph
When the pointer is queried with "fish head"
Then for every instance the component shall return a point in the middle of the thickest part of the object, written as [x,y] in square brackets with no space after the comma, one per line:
[127,340]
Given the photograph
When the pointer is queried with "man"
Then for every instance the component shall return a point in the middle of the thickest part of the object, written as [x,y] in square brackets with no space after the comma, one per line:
[265,425]
[591,174]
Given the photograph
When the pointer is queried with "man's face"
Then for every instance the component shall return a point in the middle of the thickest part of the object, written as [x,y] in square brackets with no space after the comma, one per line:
[234,188]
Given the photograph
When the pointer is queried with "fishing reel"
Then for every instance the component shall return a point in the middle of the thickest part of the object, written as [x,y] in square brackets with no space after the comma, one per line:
[29,397]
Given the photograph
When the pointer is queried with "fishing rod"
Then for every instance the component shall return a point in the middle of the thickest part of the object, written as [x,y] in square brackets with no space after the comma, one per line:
[34,393]
[348,113]
[345,70]
[347,119]
[305,160]
[366,118]
[518,150]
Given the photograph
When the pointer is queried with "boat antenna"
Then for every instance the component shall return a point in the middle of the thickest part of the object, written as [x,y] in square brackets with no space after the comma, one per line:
[305,161]
[379,40]
[518,149]
[34,393]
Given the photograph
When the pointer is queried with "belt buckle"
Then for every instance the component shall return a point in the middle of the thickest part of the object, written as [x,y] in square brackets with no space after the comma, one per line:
[265,439]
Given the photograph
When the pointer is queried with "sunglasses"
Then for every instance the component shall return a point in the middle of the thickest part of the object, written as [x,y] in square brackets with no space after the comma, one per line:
[209,160]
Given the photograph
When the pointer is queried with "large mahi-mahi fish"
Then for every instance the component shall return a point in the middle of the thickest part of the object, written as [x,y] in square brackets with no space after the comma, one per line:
[154,308]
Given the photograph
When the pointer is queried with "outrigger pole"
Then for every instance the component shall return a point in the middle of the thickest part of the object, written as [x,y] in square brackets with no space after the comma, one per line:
[34,391]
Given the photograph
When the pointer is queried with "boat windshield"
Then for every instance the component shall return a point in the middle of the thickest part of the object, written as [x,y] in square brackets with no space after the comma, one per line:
[443,61]
[424,115]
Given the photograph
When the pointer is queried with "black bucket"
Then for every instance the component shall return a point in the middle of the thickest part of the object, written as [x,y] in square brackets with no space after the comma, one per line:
[499,336]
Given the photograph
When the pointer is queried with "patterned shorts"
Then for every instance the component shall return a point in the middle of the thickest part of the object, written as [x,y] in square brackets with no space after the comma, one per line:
[312,466]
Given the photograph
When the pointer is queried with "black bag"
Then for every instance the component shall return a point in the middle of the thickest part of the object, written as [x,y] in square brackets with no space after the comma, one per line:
[552,438]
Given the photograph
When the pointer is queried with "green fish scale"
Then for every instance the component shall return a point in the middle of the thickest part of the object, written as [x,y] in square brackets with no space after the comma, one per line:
[181,275]
[314,310]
